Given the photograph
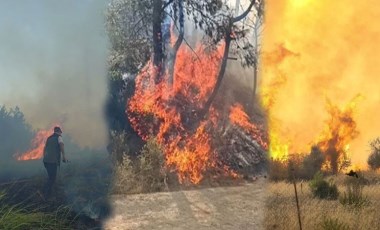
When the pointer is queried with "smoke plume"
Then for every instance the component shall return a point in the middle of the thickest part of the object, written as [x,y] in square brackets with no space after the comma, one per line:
[53,57]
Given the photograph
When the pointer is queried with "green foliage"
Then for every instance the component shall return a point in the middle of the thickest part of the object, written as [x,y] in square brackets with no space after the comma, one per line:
[333,224]
[129,29]
[15,133]
[374,158]
[15,217]
[323,189]
[353,196]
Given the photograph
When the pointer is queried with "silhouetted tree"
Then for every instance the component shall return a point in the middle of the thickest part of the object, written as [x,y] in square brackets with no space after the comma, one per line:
[374,158]
[15,133]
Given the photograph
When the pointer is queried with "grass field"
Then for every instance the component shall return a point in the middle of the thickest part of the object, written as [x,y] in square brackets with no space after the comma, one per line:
[281,211]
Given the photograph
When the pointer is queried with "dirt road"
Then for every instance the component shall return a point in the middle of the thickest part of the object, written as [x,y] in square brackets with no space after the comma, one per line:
[211,208]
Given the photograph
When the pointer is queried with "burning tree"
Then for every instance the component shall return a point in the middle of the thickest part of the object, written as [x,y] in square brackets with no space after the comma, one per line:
[174,93]
[340,131]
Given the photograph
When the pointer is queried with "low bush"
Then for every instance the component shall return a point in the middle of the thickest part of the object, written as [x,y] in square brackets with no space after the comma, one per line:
[354,193]
[333,224]
[323,189]
[144,174]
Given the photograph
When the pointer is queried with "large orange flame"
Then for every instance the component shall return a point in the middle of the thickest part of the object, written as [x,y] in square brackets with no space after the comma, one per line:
[322,54]
[241,119]
[339,132]
[171,113]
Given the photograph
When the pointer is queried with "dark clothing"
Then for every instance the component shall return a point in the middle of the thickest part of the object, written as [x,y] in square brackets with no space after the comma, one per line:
[51,169]
[52,158]
[52,150]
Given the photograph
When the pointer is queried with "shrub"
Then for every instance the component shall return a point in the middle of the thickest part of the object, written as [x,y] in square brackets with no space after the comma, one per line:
[144,174]
[312,163]
[278,170]
[118,146]
[152,167]
[354,193]
[333,224]
[323,189]
[125,177]
[374,158]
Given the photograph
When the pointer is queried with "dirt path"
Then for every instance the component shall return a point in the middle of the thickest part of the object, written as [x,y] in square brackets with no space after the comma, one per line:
[212,208]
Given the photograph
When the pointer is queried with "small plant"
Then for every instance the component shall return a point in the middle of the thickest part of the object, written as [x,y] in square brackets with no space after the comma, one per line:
[152,167]
[144,174]
[323,189]
[333,224]
[354,193]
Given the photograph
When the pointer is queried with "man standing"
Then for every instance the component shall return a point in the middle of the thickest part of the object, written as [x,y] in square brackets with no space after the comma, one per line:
[52,156]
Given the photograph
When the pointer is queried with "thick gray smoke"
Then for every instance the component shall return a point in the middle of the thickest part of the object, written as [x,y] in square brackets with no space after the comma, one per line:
[53,57]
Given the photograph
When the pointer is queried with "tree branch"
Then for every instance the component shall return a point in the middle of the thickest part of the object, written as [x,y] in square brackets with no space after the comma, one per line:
[246,12]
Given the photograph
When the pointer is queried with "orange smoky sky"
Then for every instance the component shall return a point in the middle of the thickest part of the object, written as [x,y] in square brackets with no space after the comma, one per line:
[319,50]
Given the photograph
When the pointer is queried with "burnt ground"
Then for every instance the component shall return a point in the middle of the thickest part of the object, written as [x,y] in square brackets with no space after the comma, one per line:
[233,207]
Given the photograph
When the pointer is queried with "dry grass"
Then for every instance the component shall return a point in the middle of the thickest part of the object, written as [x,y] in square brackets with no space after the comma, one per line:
[145,174]
[281,212]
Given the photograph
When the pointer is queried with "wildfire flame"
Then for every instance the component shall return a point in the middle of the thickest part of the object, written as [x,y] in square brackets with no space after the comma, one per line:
[171,113]
[37,146]
[241,119]
[311,53]
[339,132]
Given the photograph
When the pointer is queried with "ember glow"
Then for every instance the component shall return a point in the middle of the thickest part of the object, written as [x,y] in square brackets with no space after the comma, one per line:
[171,113]
[37,146]
[332,52]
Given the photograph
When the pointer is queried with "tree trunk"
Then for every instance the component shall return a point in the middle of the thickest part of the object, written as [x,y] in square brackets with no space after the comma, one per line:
[221,72]
[255,71]
[157,38]
[178,42]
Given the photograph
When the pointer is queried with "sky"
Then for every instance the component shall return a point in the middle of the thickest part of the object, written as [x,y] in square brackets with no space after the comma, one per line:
[53,62]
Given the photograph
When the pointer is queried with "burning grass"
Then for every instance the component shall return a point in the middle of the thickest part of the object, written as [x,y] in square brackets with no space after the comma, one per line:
[321,214]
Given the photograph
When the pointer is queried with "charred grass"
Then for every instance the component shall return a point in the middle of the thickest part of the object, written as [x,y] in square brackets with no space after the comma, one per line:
[281,212]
